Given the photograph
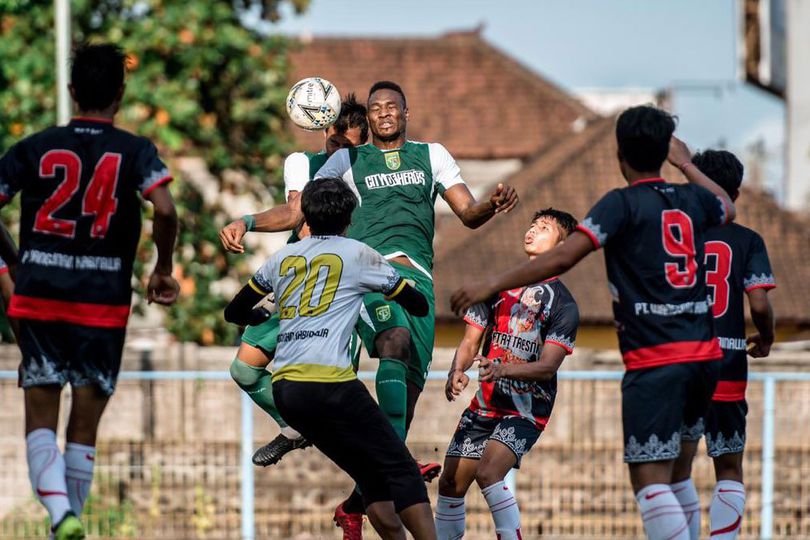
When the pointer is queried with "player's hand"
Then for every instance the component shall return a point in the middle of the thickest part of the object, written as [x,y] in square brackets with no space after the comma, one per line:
[760,348]
[231,236]
[503,198]
[489,371]
[679,153]
[162,289]
[457,381]
[462,298]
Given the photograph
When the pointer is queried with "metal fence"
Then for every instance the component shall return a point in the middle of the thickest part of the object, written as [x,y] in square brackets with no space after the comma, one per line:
[175,462]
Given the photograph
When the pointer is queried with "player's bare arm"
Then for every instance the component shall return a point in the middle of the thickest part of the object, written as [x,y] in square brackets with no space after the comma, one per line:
[681,157]
[163,288]
[551,263]
[284,217]
[543,370]
[763,319]
[472,213]
[466,355]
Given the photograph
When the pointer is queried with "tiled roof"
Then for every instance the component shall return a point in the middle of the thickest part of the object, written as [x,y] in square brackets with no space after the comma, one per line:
[463,92]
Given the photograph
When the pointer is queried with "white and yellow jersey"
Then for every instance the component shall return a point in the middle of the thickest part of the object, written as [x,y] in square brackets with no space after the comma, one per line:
[319,285]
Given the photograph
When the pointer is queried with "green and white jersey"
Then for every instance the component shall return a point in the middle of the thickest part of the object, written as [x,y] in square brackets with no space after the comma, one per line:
[300,168]
[396,190]
[319,284]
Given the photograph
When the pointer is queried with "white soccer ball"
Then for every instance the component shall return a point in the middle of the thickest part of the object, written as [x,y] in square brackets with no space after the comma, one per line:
[313,103]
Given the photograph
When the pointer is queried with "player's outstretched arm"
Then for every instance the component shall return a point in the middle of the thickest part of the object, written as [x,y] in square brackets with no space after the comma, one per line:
[241,310]
[284,217]
[475,213]
[681,157]
[408,297]
[163,288]
[543,370]
[763,319]
[466,355]
[549,264]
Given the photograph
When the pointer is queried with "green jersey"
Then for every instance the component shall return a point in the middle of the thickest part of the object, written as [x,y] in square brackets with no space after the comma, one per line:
[299,168]
[396,190]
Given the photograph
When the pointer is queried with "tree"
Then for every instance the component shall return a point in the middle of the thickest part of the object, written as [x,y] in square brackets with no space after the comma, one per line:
[200,82]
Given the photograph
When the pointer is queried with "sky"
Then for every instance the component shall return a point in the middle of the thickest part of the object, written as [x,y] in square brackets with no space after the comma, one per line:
[687,45]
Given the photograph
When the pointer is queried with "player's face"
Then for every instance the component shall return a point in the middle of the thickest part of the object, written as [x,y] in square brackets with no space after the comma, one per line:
[387,117]
[543,234]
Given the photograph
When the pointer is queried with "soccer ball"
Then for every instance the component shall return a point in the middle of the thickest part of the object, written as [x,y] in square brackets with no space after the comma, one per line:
[313,103]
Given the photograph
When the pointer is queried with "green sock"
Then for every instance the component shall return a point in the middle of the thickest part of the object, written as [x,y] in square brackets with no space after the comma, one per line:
[257,383]
[392,392]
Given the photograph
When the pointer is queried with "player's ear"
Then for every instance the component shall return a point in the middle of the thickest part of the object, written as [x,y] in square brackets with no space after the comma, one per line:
[407,113]
[72,92]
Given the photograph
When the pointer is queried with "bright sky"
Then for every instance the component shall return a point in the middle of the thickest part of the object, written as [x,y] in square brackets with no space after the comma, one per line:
[689,45]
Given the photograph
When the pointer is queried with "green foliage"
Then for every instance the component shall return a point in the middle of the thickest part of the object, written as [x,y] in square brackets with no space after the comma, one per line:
[199,83]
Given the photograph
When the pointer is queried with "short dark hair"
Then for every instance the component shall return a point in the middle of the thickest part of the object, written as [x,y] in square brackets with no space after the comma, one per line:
[97,75]
[566,221]
[723,167]
[352,114]
[643,134]
[388,85]
[336,142]
[328,204]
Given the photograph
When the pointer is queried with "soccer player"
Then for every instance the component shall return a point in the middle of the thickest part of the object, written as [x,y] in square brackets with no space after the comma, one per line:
[528,332]
[258,345]
[736,265]
[319,284]
[80,223]
[396,181]
[653,234]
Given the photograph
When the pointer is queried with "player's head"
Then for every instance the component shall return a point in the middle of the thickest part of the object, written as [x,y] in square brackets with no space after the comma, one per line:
[723,167]
[549,227]
[387,110]
[336,142]
[643,134]
[352,121]
[97,76]
[328,204]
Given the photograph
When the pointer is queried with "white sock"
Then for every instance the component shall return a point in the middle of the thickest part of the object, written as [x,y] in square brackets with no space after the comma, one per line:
[450,518]
[726,510]
[290,433]
[79,461]
[504,510]
[662,513]
[688,496]
[46,470]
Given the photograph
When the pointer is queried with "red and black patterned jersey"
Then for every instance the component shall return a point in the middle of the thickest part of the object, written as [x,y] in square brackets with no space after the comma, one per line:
[736,262]
[518,324]
[80,219]
[653,235]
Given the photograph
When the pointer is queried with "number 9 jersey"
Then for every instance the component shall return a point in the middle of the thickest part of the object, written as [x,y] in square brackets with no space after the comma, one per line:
[80,220]
[653,235]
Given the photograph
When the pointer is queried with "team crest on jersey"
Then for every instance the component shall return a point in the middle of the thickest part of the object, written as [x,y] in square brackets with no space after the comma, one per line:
[383,313]
[392,160]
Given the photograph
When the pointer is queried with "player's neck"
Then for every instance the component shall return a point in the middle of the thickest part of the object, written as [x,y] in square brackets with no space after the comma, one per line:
[105,115]
[392,144]
[635,176]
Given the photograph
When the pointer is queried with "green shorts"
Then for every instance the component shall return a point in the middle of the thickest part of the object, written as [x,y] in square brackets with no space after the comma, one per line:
[379,314]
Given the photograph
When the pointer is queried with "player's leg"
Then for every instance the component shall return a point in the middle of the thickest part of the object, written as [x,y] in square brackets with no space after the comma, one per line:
[682,485]
[725,442]
[87,406]
[652,415]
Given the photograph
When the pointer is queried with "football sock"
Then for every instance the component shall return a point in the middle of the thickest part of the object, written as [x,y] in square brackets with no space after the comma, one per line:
[392,392]
[450,518]
[662,513]
[257,383]
[687,495]
[354,504]
[505,511]
[46,470]
[726,510]
[79,461]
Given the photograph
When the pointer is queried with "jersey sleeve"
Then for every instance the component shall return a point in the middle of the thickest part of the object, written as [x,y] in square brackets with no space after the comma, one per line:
[12,171]
[714,206]
[758,273]
[336,166]
[263,280]
[446,172]
[606,219]
[562,330]
[150,170]
[376,274]
[296,172]
[479,315]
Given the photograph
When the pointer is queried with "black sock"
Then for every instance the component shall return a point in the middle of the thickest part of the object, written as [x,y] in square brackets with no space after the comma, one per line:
[354,504]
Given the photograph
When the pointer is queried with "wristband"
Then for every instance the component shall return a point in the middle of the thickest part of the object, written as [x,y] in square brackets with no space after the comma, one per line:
[250,221]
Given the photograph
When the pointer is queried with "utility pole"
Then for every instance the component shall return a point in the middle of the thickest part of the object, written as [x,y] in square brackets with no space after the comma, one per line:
[62,32]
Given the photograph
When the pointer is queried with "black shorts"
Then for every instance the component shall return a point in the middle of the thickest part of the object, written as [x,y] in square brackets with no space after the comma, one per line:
[345,423]
[60,353]
[659,404]
[725,427]
[474,431]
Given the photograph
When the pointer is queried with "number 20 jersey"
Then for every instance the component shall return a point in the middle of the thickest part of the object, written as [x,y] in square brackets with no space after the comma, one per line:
[80,220]
[653,234]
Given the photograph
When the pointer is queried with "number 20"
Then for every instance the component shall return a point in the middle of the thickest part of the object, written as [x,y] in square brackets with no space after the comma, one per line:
[308,275]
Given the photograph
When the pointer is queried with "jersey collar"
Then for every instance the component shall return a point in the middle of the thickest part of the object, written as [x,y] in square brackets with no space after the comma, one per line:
[649,181]
[91,119]
[549,280]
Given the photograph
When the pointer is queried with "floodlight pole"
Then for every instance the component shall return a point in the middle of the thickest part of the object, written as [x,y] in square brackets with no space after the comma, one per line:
[62,32]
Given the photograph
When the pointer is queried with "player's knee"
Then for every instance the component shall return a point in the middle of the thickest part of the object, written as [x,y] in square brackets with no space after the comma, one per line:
[448,485]
[394,343]
[243,374]
[486,476]
[728,467]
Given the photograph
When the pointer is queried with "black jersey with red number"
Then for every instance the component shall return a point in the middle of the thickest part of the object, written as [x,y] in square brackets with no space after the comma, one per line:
[736,262]
[519,323]
[80,219]
[653,232]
